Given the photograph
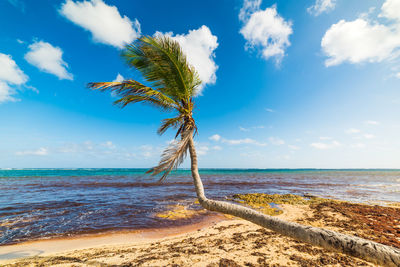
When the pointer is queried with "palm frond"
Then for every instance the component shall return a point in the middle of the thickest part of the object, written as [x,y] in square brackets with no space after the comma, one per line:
[172,156]
[162,62]
[131,91]
[168,123]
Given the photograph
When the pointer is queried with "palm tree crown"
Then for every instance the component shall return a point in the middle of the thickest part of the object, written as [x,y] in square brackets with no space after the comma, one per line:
[173,83]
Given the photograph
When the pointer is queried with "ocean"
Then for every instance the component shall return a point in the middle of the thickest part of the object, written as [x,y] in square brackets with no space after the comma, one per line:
[46,203]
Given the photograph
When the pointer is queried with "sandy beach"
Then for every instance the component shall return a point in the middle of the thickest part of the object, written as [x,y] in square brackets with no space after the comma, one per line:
[218,241]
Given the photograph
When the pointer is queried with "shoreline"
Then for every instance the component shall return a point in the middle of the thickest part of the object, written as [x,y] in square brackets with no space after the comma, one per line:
[221,240]
[46,246]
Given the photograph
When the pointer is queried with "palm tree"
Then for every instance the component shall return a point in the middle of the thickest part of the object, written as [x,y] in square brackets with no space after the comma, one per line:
[173,85]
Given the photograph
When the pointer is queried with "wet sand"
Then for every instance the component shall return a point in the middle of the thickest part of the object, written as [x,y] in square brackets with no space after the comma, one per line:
[231,242]
[44,247]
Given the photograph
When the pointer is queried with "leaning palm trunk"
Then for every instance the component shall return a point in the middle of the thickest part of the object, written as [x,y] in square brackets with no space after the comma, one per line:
[351,245]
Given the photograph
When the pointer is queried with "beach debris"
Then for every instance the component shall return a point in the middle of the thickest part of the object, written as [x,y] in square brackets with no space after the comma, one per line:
[269,203]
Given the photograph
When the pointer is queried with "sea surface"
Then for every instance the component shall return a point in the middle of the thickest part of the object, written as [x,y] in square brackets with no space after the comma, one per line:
[46,203]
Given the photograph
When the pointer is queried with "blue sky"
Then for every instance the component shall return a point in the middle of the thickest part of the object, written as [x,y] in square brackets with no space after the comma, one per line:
[288,84]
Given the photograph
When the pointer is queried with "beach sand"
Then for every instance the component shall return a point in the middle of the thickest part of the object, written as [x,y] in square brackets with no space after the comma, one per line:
[218,241]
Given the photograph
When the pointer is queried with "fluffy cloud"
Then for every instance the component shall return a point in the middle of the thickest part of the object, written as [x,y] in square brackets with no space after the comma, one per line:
[39,152]
[391,10]
[215,137]
[77,147]
[331,145]
[10,74]
[48,58]
[104,22]
[251,128]
[369,122]
[249,7]
[119,78]
[242,141]
[352,131]
[364,40]
[202,150]
[199,46]
[6,93]
[265,29]
[147,151]
[270,110]
[321,6]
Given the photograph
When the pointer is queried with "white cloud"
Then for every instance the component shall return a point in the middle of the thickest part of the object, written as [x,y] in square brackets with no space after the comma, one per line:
[352,131]
[391,10]
[39,152]
[363,39]
[265,29]
[105,23]
[369,136]
[48,58]
[269,110]
[398,75]
[276,141]
[199,46]
[251,128]
[321,6]
[215,137]
[258,127]
[119,78]
[10,74]
[249,7]
[202,150]
[6,93]
[242,141]
[331,145]
[371,122]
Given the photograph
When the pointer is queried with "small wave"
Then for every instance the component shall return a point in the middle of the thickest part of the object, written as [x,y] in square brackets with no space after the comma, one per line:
[378,185]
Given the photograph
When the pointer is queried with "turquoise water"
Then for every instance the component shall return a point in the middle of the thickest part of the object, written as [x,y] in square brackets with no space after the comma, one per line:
[43,203]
